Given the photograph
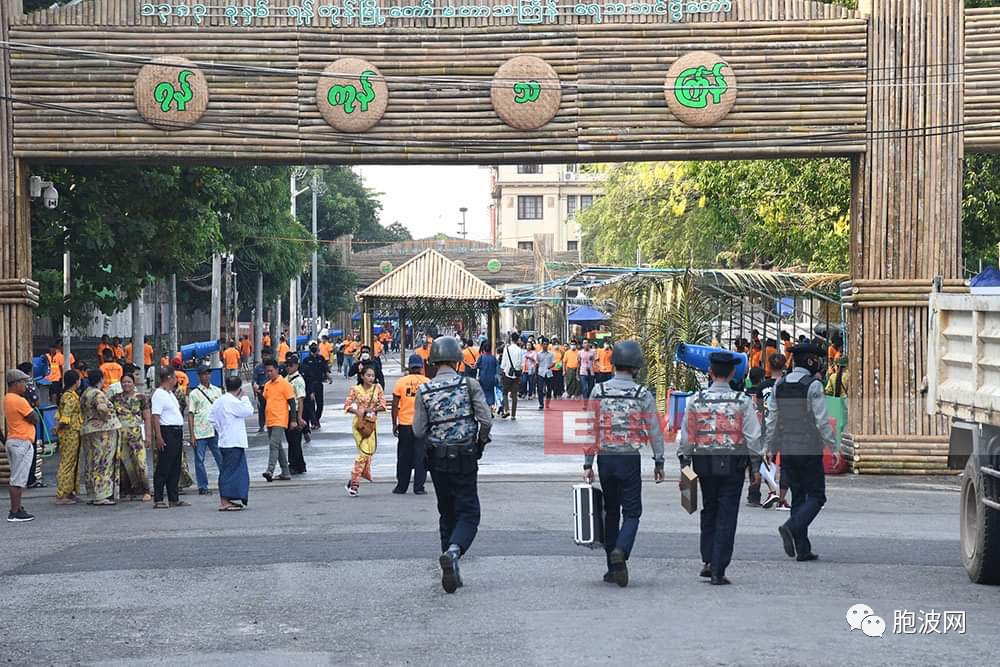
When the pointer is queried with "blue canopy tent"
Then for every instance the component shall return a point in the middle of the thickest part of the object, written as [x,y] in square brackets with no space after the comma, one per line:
[987,282]
[587,315]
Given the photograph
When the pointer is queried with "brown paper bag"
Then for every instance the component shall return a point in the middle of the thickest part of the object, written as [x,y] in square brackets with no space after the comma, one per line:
[689,489]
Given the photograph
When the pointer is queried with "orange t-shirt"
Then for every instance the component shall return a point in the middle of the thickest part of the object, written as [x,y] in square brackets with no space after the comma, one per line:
[571,359]
[277,393]
[118,351]
[266,341]
[755,358]
[470,355]
[231,357]
[377,346]
[767,358]
[55,367]
[112,373]
[246,347]
[603,363]
[16,408]
[405,392]
[325,349]
[147,354]
[283,350]
[788,345]
[100,350]
[350,347]
[424,353]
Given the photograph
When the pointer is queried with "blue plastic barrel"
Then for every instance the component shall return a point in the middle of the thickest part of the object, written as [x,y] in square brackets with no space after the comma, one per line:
[199,350]
[678,403]
[696,356]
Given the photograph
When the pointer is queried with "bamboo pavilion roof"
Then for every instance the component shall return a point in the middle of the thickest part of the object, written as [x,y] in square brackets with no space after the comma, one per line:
[430,276]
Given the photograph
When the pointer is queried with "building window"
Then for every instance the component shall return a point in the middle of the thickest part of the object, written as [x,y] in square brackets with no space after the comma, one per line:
[571,202]
[529,168]
[529,207]
[571,246]
[572,169]
[586,201]
[525,245]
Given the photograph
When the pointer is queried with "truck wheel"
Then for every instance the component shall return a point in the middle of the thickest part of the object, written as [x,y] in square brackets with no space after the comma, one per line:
[980,529]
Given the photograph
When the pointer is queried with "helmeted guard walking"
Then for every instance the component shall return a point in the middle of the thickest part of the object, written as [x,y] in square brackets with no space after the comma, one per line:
[798,428]
[625,420]
[452,416]
[721,431]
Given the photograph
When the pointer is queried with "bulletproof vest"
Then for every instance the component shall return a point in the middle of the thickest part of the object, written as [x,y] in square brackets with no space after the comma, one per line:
[450,417]
[621,422]
[715,422]
[312,369]
[796,429]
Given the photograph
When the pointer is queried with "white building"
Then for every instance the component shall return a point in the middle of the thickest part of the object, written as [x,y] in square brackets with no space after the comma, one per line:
[534,199]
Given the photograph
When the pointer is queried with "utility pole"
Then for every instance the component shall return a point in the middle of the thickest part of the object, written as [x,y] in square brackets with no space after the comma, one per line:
[66,321]
[174,325]
[276,325]
[216,315]
[227,317]
[258,320]
[315,258]
[293,287]
[138,342]
[462,230]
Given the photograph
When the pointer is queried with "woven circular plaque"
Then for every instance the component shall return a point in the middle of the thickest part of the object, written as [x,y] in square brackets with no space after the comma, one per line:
[526,92]
[171,93]
[385,266]
[493,266]
[700,88]
[352,95]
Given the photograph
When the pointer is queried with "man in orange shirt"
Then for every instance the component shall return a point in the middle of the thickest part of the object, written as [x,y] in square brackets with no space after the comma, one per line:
[54,359]
[266,341]
[558,377]
[571,367]
[602,366]
[110,369]
[104,344]
[326,348]
[21,421]
[787,344]
[147,353]
[470,355]
[246,349]
[424,352]
[117,349]
[280,414]
[231,360]
[409,450]
[283,350]
[377,348]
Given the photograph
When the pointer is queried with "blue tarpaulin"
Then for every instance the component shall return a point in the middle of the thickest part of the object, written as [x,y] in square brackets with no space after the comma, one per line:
[587,314]
[989,277]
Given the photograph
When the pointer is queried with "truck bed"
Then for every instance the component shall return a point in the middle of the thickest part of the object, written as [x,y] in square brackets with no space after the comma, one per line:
[963,364]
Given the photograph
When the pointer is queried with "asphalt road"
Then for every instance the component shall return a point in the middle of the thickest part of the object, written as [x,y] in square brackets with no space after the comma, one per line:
[307,576]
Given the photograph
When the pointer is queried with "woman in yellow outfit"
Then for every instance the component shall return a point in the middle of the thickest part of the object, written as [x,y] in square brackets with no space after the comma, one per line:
[364,401]
[69,419]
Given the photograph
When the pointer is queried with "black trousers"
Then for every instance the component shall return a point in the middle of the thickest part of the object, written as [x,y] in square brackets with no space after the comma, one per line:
[410,457]
[720,509]
[316,390]
[546,389]
[621,482]
[807,480]
[168,465]
[558,384]
[260,409]
[296,461]
[458,507]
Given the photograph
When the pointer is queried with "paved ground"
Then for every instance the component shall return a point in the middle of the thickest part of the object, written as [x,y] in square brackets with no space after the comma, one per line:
[307,576]
[516,450]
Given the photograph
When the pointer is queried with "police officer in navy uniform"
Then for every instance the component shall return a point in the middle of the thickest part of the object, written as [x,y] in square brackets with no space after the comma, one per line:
[452,416]
[625,421]
[720,432]
[797,427]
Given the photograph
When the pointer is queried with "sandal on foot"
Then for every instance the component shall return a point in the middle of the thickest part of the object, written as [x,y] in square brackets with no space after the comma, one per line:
[181,503]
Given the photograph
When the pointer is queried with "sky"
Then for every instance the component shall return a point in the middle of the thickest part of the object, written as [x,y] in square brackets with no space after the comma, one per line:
[426,199]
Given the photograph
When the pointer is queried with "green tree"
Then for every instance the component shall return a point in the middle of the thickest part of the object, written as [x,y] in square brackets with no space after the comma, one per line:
[123,226]
[981,211]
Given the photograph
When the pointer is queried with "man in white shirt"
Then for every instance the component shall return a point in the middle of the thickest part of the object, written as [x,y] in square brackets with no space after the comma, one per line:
[203,436]
[229,415]
[511,365]
[168,436]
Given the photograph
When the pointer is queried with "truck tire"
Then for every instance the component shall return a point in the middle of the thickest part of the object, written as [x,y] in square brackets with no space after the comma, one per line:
[980,529]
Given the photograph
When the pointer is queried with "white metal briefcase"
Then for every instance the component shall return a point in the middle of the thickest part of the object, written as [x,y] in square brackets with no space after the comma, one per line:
[588,516]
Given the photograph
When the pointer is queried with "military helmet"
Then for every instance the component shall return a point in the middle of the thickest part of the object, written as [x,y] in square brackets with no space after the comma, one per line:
[445,348]
[627,354]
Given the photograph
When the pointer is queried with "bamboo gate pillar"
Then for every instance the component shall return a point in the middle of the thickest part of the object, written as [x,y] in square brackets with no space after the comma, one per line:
[905,229]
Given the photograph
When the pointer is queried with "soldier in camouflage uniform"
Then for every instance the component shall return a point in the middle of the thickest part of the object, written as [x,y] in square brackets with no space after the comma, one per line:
[720,431]
[452,415]
[626,420]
